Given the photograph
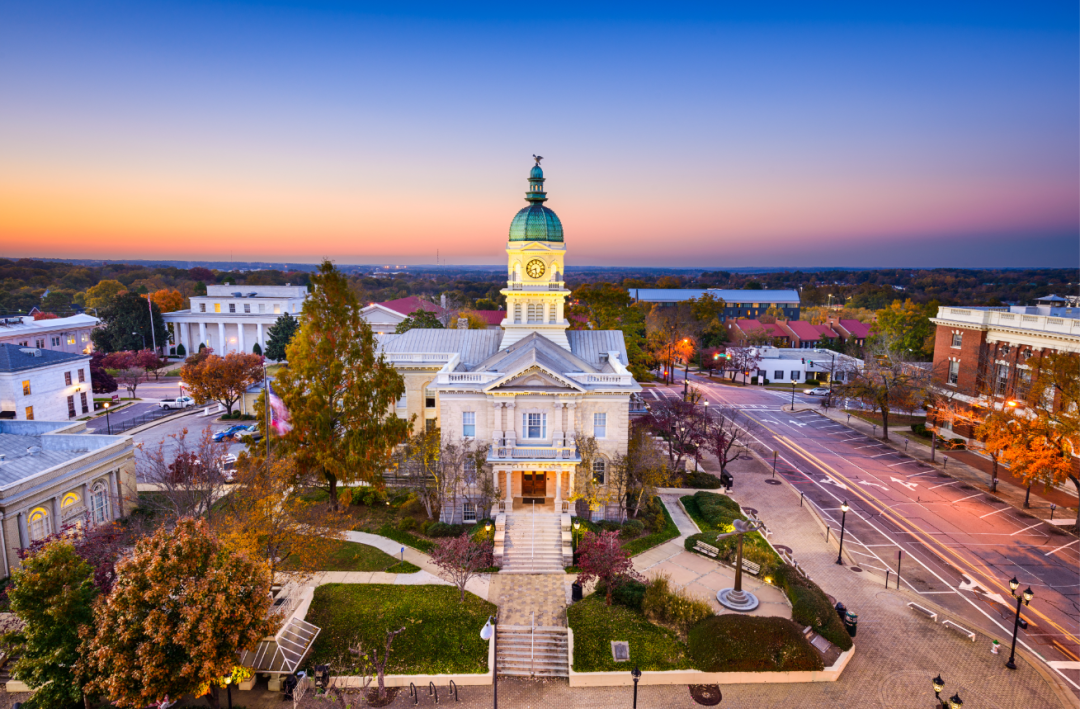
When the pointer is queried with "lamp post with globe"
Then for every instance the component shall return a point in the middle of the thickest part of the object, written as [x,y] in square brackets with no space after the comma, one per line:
[487,633]
[1025,599]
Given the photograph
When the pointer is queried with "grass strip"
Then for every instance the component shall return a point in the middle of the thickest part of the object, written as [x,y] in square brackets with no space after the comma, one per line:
[442,635]
[354,556]
[595,626]
[409,540]
[642,544]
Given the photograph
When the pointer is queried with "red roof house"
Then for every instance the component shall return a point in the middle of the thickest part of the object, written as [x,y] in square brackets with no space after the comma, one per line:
[742,330]
[852,330]
[807,336]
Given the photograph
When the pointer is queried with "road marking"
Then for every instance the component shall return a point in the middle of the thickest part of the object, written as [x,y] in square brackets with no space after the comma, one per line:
[859,448]
[1064,664]
[800,425]
[943,485]
[880,455]
[915,475]
[994,512]
[903,462]
[1061,547]
[830,481]
[905,483]
[967,498]
[867,482]
[1025,529]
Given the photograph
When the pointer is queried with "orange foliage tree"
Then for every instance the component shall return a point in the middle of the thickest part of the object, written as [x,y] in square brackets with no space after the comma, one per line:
[222,379]
[183,607]
[167,300]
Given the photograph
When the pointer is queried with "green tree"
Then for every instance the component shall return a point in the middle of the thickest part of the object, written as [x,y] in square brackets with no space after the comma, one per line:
[423,319]
[103,294]
[279,336]
[339,390]
[183,607]
[126,324]
[907,326]
[52,593]
[888,381]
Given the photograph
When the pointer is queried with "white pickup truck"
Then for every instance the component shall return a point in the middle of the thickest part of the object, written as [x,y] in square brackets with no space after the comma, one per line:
[180,402]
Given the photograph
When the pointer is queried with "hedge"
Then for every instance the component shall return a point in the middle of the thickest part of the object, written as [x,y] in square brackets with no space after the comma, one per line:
[668,532]
[745,643]
[810,606]
[700,480]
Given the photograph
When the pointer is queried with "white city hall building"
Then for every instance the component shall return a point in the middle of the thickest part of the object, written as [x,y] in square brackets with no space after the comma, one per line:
[528,389]
[233,318]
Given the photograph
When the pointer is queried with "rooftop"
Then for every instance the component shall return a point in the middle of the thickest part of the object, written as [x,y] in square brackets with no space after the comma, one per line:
[31,447]
[25,324]
[232,291]
[677,295]
[1034,319]
[14,358]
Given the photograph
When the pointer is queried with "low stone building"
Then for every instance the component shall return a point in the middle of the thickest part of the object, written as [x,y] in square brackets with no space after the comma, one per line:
[54,475]
[43,385]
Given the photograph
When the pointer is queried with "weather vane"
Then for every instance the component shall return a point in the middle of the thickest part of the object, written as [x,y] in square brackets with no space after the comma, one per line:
[537,158]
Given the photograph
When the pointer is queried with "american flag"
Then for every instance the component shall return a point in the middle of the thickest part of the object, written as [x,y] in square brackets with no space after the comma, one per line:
[279,415]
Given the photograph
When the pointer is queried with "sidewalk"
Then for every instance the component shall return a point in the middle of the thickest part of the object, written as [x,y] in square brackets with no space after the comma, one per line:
[429,572]
[966,466]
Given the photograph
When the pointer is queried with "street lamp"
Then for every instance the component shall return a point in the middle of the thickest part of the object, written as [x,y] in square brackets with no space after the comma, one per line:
[636,674]
[843,519]
[487,633]
[1025,599]
[955,702]
[573,537]
[793,395]
[107,423]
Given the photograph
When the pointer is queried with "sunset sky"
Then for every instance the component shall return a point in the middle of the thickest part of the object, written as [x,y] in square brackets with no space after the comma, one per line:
[811,134]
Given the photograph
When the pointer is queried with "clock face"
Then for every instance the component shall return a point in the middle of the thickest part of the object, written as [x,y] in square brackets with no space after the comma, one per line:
[535,268]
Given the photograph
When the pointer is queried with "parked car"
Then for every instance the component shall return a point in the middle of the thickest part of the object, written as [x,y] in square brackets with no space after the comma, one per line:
[180,402]
[228,434]
[227,465]
[817,391]
[252,430]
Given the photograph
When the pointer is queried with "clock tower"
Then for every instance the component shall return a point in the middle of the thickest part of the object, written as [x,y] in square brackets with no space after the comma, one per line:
[535,290]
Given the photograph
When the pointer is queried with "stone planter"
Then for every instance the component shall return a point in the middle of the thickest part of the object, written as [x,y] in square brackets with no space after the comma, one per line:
[247,684]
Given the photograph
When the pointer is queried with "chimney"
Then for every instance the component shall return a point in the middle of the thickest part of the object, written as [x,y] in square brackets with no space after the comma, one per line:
[462,323]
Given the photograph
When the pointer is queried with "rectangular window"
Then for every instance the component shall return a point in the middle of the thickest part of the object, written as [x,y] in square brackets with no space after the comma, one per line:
[401,400]
[794,376]
[468,512]
[534,425]
[232,307]
[957,339]
[599,468]
[536,313]
[56,342]
[430,425]
[217,307]
[599,425]
[67,379]
[40,343]
[517,314]
[247,307]
[1023,383]
[82,376]
[71,407]
[202,307]
[85,337]
[1002,383]
[277,309]
[778,375]
[82,401]
[468,424]
[262,307]
[954,372]
[429,399]
[26,388]
[29,413]
[71,339]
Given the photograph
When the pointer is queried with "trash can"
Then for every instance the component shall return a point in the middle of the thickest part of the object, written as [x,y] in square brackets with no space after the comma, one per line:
[576,592]
[726,480]
[851,622]
[841,610]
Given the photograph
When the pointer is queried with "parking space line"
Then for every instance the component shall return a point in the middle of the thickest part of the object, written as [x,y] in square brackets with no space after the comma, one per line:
[994,512]
[967,498]
[943,485]
[1025,529]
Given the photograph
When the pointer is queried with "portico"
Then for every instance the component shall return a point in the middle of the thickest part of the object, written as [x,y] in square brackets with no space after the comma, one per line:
[228,320]
[545,485]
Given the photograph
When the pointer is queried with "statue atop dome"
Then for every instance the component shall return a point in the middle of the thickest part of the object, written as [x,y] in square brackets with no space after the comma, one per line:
[537,158]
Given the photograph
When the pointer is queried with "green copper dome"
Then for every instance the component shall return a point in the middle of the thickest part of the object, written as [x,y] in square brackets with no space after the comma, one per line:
[536,222]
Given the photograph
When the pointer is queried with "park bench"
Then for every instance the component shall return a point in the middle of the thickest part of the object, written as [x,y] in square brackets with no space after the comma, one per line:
[751,567]
[706,549]
[960,629]
[925,611]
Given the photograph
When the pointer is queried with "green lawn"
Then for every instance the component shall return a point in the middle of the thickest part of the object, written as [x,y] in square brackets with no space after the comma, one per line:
[353,556]
[894,419]
[641,544]
[442,636]
[595,626]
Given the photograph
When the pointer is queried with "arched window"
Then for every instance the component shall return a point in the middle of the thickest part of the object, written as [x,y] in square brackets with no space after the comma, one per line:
[40,526]
[99,503]
[599,467]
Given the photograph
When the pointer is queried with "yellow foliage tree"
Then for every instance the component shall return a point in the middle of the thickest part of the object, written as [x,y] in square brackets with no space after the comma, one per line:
[167,300]
[103,294]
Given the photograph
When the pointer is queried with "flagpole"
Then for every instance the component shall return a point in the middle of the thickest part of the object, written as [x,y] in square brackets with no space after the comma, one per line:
[266,403]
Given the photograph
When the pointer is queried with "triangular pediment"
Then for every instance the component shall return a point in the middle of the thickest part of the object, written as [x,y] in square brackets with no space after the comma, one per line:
[534,376]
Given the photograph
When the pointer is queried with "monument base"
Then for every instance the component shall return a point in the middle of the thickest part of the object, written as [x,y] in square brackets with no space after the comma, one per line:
[737,600]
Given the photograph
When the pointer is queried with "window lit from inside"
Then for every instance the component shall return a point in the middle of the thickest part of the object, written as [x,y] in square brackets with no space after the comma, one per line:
[468,512]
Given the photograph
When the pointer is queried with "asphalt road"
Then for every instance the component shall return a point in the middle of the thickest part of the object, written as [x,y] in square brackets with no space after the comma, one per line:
[954,543]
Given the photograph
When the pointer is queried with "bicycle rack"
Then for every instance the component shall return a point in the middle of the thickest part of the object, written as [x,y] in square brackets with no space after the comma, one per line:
[452,687]
[414,694]
[432,690]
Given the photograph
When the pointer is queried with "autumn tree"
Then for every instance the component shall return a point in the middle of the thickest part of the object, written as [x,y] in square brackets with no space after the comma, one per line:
[608,306]
[187,473]
[419,463]
[125,368]
[669,330]
[100,296]
[280,335]
[681,423]
[222,379]
[601,558]
[462,558]
[52,593]
[339,390]
[266,518]
[643,466]
[906,327]
[727,430]
[167,300]
[888,380]
[587,487]
[742,360]
[129,323]
[423,319]
[183,607]
[100,380]
[998,433]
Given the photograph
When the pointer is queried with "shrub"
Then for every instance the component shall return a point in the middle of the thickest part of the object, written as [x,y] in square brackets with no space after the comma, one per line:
[371,496]
[745,643]
[652,515]
[700,480]
[438,529]
[673,607]
[257,349]
[812,382]
[345,496]
[629,594]
[181,351]
[406,524]
[412,506]
[425,525]
[753,379]
[610,525]
[919,429]
[810,606]
[632,528]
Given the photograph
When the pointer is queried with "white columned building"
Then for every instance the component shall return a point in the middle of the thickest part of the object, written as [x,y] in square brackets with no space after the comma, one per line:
[234,318]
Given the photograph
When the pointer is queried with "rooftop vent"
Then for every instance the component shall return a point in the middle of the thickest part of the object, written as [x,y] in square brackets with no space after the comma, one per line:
[32,351]
[252,294]
[238,294]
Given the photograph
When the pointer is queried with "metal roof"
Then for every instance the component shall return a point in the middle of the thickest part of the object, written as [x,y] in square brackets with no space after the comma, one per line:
[474,346]
[14,358]
[678,295]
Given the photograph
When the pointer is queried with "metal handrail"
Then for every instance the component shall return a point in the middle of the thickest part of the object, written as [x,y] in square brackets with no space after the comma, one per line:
[532,646]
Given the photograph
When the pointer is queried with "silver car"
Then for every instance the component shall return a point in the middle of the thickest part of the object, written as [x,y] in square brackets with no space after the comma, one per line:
[817,391]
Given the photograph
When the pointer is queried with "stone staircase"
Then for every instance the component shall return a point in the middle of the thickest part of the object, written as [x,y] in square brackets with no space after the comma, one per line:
[532,543]
[527,652]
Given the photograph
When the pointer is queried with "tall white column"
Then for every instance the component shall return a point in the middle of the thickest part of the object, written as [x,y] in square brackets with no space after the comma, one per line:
[240,337]
[558,491]
[509,490]
[222,347]
[202,335]
[259,337]
[56,514]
